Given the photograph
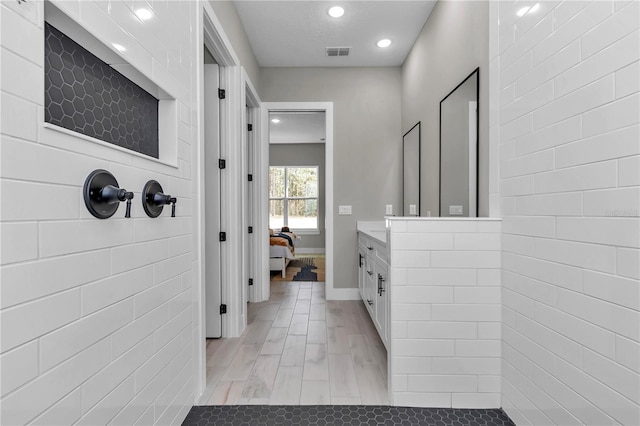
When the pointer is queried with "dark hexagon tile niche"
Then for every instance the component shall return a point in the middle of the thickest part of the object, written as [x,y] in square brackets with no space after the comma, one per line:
[355,415]
[86,95]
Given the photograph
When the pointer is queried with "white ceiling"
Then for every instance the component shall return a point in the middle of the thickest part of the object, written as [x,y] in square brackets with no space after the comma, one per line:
[295,33]
[297,127]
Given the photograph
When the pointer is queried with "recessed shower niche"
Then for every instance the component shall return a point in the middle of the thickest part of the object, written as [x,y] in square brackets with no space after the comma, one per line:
[94,93]
[86,95]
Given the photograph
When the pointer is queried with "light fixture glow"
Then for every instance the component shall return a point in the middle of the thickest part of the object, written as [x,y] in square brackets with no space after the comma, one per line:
[385,42]
[531,9]
[335,11]
[143,13]
[119,47]
[275,120]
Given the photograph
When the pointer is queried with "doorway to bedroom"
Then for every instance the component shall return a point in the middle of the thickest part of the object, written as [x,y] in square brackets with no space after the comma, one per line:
[297,171]
[305,343]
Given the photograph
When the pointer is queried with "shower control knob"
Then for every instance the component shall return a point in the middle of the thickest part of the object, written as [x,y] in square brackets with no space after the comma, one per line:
[154,200]
[112,195]
[102,195]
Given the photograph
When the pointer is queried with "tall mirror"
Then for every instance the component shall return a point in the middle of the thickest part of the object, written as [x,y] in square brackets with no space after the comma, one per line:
[411,172]
[459,115]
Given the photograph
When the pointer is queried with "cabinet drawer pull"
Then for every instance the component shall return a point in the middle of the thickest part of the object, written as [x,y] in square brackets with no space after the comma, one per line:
[369,247]
[370,272]
[380,281]
[370,302]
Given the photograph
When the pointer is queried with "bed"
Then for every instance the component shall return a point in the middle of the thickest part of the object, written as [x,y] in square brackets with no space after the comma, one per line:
[281,251]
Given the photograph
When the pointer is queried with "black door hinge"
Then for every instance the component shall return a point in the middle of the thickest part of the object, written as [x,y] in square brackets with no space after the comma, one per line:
[250,177]
[251,229]
[250,127]
[250,281]
[223,309]
[222,93]
[223,236]
[222,164]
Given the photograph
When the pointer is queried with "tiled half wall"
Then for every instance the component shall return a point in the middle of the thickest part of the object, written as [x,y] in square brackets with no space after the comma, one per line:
[445,284]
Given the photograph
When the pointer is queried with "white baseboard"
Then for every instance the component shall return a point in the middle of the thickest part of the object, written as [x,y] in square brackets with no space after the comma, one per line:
[343,294]
[310,250]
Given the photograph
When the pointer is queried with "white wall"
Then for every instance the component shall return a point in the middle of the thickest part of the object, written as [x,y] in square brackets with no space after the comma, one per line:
[453,43]
[228,16]
[367,144]
[569,115]
[97,315]
[444,285]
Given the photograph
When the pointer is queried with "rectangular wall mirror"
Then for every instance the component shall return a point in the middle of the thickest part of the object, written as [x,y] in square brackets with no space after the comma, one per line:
[459,114]
[411,172]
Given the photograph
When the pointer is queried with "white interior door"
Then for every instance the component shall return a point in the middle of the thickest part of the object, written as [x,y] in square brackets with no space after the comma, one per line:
[212,200]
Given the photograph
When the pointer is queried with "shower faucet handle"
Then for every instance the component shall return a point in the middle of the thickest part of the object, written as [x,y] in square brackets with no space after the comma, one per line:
[102,195]
[111,194]
[128,196]
[173,201]
[154,199]
[159,198]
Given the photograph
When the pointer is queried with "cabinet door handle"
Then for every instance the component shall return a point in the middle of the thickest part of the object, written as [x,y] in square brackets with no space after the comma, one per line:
[370,272]
[369,247]
[380,281]
[370,302]
[360,261]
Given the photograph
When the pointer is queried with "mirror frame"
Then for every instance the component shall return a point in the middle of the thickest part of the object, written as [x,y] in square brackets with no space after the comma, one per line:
[475,72]
[404,148]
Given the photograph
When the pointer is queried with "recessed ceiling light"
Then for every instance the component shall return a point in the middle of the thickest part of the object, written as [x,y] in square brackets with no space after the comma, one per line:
[275,120]
[119,47]
[143,14]
[335,11]
[385,42]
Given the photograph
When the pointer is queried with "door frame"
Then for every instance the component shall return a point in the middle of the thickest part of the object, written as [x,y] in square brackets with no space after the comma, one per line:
[263,203]
[252,101]
[210,34]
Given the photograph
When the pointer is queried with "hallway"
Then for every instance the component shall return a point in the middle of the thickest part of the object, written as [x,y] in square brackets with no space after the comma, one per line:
[299,349]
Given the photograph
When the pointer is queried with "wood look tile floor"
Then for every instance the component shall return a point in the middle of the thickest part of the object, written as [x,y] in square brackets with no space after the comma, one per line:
[299,349]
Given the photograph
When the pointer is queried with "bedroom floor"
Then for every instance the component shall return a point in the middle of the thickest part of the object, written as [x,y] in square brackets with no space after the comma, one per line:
[299,349]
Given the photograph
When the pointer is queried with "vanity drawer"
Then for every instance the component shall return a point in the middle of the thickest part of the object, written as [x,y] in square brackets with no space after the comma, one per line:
[376,250]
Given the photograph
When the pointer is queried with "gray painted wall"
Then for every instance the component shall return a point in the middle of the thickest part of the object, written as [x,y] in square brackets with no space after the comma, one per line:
[228,16]
[304,154]
[367,143]
[453,42]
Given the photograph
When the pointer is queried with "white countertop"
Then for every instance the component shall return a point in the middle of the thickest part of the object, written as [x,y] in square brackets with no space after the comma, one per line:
[374,229]
[377,235]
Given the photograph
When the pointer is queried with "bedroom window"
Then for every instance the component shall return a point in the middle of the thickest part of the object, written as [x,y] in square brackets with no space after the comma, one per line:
[293,198]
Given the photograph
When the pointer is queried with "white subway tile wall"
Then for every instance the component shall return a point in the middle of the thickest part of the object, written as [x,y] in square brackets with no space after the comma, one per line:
[445,312]
[97,315]
[571,201]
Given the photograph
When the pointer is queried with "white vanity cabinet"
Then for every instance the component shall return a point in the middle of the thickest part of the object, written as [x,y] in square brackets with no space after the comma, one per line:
[372,279]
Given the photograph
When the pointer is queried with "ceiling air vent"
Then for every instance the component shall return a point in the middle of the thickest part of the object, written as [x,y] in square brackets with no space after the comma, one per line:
[338,51]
